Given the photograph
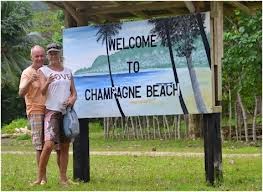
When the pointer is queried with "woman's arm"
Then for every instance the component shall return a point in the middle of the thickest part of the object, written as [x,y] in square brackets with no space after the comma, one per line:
[45,82]
[73,93]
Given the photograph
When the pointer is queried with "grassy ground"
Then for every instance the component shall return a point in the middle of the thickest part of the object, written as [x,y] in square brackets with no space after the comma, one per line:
[136,172]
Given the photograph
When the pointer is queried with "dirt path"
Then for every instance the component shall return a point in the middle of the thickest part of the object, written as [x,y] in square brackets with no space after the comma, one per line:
[142,153]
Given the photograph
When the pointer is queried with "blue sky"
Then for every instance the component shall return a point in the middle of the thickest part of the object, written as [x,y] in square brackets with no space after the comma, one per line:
[80,47]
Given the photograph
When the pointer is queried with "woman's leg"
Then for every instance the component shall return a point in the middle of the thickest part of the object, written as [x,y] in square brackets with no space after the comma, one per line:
[48,146]
[51,132]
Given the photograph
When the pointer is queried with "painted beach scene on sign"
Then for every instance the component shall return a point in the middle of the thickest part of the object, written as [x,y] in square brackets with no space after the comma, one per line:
[150,67]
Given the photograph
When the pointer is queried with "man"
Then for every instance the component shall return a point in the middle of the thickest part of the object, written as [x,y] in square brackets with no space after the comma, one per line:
[29,88]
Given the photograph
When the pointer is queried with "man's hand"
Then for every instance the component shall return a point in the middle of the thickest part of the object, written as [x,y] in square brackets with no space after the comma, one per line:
[34,77]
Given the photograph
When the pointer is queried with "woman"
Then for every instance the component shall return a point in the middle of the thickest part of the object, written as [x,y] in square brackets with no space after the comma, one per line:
[58,86]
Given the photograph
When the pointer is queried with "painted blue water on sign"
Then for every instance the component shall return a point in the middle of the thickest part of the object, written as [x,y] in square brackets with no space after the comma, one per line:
[134,106]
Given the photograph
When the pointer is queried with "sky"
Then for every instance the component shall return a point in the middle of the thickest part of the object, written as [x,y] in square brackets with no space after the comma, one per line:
[80,47]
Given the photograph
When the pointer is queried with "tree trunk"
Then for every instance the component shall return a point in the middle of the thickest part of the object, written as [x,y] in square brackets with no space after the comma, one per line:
[239,119]
[195,85]
[122,127]
[148,126]
[230,114]
[244,115]
[164,128]
[133,128]
[167,125]
[158,127]
[192,126]
[175,126]
[236,124]
[178,126]
[154,132]
[114,126]
[186,120]
[181,99]
[112,84]
[140,126]
[105,127]
[254,119]
[126,128]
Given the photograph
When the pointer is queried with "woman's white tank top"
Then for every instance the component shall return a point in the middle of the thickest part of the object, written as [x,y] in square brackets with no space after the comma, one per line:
[59,90]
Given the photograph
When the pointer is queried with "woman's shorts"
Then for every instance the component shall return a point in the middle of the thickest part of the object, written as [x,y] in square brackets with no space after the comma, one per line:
[37,130]
[54,127]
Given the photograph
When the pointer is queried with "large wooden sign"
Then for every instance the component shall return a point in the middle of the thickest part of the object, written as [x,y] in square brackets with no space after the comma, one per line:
[149,67]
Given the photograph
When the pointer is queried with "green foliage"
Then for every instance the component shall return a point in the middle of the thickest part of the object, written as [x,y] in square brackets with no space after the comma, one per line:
[243,56]
[50,24]
[15,44]
[17,123]
[12,106]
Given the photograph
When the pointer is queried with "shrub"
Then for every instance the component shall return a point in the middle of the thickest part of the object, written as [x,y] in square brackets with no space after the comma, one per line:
[17,123]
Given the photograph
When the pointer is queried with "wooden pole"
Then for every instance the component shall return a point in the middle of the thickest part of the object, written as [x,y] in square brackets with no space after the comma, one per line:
[81,155]
[213,148]
[212,122]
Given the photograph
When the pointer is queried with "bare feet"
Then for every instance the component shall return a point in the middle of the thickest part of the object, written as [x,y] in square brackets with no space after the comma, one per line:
[64,183]
[37,182]
[43,182]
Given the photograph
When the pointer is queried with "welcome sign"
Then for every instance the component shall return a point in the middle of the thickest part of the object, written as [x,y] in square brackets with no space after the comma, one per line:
[149,67]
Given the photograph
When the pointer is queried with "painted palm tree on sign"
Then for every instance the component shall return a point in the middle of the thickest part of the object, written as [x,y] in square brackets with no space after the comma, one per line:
[184,31]
[104,34]
[162,27]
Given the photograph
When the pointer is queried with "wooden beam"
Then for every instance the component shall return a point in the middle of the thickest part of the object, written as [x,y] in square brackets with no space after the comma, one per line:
[69,21]
[73,13]
[53,4]
[190,6]
[199,6]
[134,7]
[181,11]
[141,14]
[239,6]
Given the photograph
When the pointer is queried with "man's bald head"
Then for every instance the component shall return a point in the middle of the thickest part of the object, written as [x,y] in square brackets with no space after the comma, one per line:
[37,56]
[36,48]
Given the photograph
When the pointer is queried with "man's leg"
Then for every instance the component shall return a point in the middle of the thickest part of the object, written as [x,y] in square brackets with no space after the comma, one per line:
[37,128]
[64,155]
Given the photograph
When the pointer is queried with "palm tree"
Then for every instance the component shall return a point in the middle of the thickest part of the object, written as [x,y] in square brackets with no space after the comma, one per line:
[200,20]
[163,30]
[15,17]
[105,34]
[184,31]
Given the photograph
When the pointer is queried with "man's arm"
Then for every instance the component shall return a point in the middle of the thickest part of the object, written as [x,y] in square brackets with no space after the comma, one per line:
[26,81]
